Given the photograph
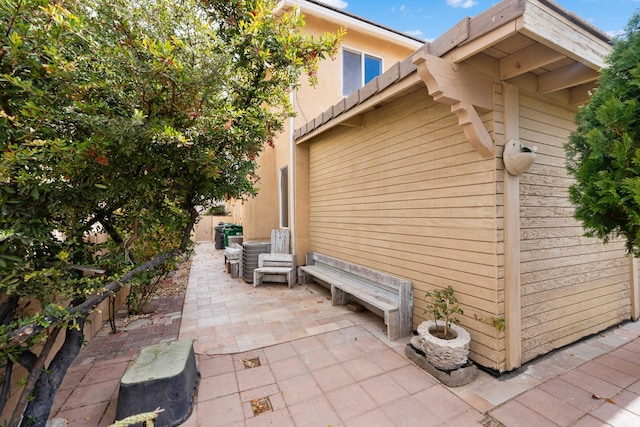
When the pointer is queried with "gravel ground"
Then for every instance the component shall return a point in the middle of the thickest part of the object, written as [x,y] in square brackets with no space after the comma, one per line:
[174,285]
[177,283]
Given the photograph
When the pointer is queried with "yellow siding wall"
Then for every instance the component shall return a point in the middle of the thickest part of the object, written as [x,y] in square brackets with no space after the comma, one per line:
[571,286]
[408,195]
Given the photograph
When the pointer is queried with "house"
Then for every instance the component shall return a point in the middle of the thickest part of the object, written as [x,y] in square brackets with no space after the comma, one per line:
[406,175]
[367,50]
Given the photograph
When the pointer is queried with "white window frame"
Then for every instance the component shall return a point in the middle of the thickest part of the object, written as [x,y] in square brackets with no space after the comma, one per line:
[363,55]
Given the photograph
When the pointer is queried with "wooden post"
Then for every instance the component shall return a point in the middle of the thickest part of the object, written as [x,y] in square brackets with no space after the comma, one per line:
[633,287]
[513,307]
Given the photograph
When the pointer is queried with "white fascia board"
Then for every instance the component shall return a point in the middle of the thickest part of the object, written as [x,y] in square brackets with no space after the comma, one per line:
[347,22]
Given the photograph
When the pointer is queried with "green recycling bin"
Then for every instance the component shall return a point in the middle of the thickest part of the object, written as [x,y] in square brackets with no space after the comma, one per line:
[231,230]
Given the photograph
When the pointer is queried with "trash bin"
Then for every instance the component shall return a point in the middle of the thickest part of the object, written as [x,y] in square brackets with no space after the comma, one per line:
[218,236]
[231,230]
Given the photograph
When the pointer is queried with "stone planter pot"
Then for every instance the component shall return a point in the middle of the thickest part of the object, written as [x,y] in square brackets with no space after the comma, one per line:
[445,355]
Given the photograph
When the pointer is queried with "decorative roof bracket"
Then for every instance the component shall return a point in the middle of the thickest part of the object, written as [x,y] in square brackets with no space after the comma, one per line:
[463,88]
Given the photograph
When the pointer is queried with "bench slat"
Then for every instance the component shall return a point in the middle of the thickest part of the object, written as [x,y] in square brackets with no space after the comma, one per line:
[274,270]
[390,294]
[349,286]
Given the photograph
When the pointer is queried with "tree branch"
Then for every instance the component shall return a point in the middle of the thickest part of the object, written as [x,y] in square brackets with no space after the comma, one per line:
[20,335]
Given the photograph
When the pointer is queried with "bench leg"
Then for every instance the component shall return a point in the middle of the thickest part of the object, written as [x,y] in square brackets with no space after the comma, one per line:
[392,320]
[257,278]
[338,296]
[234,268]
[304,278]
[291,277]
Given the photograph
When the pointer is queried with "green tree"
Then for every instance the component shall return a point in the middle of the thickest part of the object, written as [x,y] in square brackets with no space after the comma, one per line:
[603,154]
[126,118]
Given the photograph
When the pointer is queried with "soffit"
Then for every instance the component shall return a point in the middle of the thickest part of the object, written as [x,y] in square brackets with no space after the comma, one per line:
[536,39]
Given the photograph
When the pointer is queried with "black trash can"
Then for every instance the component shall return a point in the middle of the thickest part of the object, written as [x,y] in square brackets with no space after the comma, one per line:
[218,236]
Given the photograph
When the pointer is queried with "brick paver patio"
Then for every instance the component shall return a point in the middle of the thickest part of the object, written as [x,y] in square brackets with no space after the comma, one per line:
[321,365]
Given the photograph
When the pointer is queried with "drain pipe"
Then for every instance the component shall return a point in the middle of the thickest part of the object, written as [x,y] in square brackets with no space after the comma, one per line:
[292,173]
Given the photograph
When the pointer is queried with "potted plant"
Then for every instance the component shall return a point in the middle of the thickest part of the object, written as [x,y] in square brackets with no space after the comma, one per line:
[444,343]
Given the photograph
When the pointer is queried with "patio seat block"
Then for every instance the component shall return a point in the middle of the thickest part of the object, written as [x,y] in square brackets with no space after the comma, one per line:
[162,376]
[275,268]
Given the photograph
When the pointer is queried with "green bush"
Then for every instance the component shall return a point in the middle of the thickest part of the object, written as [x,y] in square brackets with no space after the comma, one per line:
[217,210]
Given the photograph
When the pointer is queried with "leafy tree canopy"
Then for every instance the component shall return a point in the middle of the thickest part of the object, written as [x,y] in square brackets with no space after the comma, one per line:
[124,117]
[603,154]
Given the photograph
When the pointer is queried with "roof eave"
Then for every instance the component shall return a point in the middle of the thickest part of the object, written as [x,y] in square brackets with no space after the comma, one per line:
[556,30]
[541,20]
[348,20]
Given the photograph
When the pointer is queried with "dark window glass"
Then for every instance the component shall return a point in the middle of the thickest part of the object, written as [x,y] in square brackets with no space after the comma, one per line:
[372,68]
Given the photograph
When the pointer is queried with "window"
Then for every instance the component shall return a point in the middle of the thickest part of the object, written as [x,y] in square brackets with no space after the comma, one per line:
[284,197]
[358,69]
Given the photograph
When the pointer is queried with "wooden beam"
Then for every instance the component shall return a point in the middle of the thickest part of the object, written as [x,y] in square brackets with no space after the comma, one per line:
[461,87]
[354,122]
[527,59]
[451,83]
[581,94]
[512,291]
[557,31]
[473,128]
[572,75]
[472,36]
[633,287]
[480,44]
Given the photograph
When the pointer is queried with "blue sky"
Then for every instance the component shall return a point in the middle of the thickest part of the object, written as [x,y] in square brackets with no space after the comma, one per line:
[428,19]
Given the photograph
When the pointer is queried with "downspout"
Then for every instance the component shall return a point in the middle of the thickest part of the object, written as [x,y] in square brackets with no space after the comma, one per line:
[292,166]
[292,174]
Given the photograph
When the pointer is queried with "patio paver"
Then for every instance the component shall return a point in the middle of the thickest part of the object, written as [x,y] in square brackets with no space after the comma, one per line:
[324,365]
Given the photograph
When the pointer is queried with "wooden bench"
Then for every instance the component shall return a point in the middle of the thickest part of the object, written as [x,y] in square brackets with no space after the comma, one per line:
[382,293]
[274,268]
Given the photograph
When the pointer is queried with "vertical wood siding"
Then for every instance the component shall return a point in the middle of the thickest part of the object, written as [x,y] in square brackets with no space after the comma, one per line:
[572,286]
[406,194]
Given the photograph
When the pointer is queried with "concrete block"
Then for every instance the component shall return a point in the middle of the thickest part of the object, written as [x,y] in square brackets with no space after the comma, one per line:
[455,378]
[162,376]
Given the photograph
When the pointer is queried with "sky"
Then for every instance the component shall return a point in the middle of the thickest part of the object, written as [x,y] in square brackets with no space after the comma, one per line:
[428,19]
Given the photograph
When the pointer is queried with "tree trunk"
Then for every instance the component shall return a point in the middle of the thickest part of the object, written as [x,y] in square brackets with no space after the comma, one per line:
[49,381]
